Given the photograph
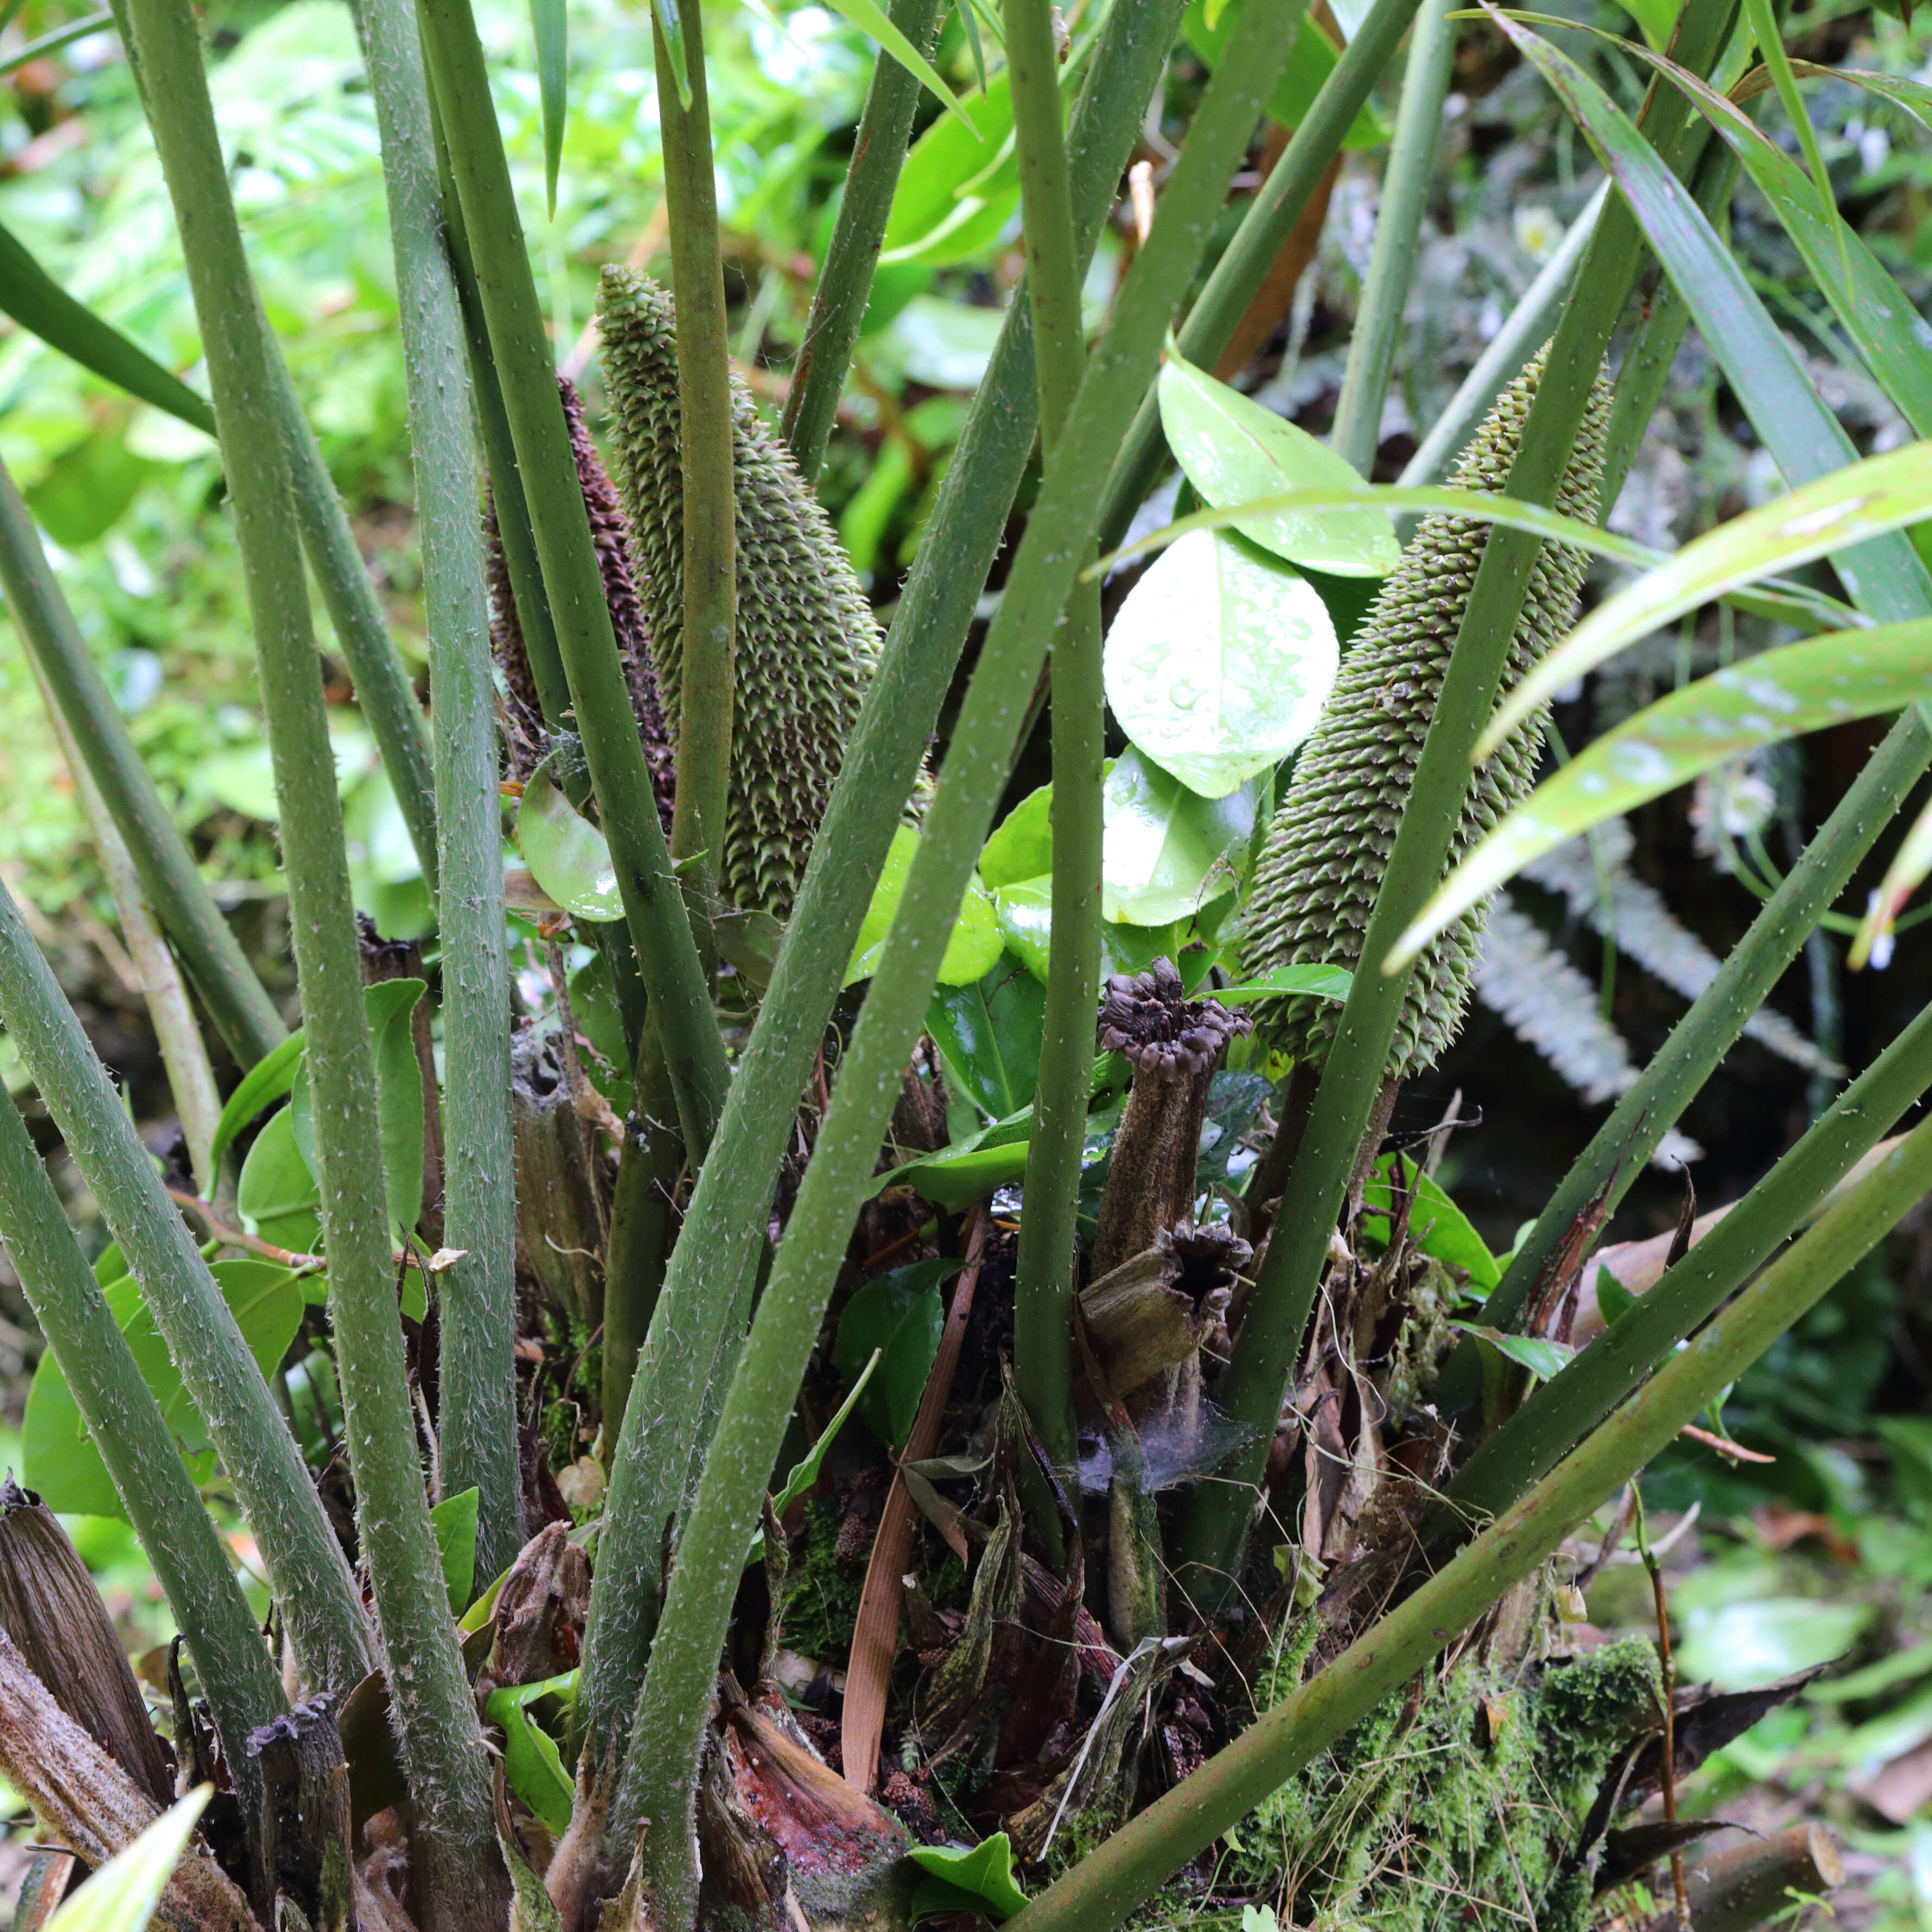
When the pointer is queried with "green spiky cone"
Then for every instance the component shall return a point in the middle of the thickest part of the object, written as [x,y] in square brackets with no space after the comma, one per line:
[1315,883]
[807,642]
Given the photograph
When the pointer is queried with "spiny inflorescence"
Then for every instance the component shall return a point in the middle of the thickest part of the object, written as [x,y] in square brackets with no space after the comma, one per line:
[807,643]
[1322,863]
[528,739]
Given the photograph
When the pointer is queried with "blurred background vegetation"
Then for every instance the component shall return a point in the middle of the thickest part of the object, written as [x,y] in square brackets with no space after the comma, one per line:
[1825,1551]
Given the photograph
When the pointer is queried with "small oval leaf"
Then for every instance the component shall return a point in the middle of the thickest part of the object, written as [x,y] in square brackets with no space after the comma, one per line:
[567,855]
[1219,661]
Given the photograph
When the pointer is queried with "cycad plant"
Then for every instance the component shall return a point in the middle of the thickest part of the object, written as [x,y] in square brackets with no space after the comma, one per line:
[1002,1207]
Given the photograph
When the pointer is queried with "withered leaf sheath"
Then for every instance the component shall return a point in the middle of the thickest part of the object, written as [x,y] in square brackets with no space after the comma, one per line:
[807,643]
[1315,884]
[611,535]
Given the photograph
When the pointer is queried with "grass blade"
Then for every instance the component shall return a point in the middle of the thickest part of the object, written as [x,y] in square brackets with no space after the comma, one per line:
[1849,506]
[42,306]
[551,25]
[1762,701]
[872,19]
[1885,577]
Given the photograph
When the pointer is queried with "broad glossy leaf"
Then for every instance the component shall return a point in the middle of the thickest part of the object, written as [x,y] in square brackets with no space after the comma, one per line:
[454,1520]
[1543,1358]
[277,1195]
[900,1315]
[567,855]
[983,1876]
[389,1005]
[1236,452]
[1311,60]
[1778,695]
[1219,662]
[1849,506]
[988,1034]
[1739,1646]
[268,1080]
[88,487]
[121,1896]
[533,1768]
[1436,1224]
[1167,850]
[1021,846]
[956,1177]
[971,952]
[1026,920]
[60,1460]
[1885,577]
[959,187]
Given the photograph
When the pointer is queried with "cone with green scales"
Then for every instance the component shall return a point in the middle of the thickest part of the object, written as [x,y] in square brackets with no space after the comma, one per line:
[1322,866]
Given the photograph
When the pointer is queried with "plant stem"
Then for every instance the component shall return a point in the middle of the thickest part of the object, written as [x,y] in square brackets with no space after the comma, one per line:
[1043,1292]
[1560,1412]
[1263,232]
[725,1225]
[1405,184]
[222,976]
[477,1295]
[1252,1389]
[1110,1882]
[573,582]
[642,1218]
[184,1052]
[660,1772]
[709,676]
[1512,345]
[383,688]
[845,282]
[310,1578]
[442,1739]
[128,1429]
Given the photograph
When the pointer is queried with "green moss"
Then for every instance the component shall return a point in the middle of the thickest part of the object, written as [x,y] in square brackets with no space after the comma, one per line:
[822,1592]
[807,643]
[1451,1813]
[1322,863]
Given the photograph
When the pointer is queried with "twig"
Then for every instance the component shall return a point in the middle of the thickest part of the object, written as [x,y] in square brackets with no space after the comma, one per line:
[221,1230]
[1669,1772]
[875,1631]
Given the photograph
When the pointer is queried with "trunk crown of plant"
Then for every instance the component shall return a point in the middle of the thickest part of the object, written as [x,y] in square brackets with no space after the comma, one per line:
[1321,864]
[807,642]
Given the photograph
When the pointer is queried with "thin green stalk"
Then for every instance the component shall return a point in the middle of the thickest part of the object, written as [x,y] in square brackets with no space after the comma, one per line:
[477,1295]
[383,688]
[1512,346]
[667,952]
[215,962]
[642,1219]
[1406,185]
[845,281]
[724,1230]
[304,1562]
[130,1432]
[1561,1411]
[1252,1389]
[661,1768]
[1258,242]
[441,1738]
[709,677]
[1043,1293]
[1107,1885]
[184,1051]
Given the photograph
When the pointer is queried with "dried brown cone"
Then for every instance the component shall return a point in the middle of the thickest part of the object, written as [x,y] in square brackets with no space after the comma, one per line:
[1148,1017]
